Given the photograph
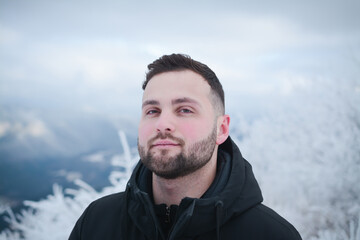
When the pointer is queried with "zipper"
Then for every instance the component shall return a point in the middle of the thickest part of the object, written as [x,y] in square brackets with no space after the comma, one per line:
[167,214]
[168,220]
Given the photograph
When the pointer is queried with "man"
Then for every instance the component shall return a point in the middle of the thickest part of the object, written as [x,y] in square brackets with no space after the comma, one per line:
[191,182]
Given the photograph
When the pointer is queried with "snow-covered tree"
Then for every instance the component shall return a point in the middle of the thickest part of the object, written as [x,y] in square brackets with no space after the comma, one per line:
[55,216]
[306,156]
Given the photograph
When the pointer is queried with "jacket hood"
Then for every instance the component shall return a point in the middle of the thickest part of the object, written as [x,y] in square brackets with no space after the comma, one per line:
[237,192]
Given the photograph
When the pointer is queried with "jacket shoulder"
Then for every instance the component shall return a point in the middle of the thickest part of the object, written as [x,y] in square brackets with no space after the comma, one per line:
[261,222]
[280,224]
[98,217]
[109,206]
[109,201]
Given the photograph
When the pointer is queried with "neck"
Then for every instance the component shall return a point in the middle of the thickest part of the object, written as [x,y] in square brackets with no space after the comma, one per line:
[194,185]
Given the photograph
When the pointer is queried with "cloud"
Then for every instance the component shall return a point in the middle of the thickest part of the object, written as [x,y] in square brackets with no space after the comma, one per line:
[96,57]
[4,128]
[8,36]
[70,176]
[34,128]
[95,157]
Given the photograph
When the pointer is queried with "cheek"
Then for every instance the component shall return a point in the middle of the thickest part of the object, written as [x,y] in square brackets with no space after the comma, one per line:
[194,131]
[144,133]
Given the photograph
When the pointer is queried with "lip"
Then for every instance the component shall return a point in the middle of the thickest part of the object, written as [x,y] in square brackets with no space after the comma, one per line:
[164,143]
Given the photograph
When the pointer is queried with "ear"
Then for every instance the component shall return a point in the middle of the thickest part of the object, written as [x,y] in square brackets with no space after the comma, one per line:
[223,123]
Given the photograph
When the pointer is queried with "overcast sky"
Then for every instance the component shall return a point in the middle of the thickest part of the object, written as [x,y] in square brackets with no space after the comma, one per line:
[92,55]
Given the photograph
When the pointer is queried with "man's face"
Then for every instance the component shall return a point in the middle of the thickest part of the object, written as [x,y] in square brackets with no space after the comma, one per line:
[177,130]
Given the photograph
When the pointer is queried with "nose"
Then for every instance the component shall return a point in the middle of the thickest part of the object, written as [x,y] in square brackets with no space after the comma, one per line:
[165,122]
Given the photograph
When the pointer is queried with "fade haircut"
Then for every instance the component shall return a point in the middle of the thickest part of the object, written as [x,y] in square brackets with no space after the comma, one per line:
[181,62]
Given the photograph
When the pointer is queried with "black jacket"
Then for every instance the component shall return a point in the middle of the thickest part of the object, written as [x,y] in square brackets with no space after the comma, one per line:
[230,209]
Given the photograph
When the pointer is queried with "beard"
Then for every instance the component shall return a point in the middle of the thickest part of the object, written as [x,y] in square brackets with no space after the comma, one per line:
[182,164]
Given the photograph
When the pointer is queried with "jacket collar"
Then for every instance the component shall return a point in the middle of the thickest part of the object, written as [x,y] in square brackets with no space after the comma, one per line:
[233,191]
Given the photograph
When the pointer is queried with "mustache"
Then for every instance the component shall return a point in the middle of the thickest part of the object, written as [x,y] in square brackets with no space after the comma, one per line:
[163,136]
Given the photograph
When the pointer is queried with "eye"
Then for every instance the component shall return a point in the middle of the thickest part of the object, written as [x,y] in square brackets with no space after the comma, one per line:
[151,112]
[185,110]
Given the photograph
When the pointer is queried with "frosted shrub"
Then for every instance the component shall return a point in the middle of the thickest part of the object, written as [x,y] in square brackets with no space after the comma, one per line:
[55,216]
[306,157]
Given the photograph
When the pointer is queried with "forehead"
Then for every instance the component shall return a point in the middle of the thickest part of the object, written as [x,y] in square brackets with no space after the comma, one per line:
[177,84]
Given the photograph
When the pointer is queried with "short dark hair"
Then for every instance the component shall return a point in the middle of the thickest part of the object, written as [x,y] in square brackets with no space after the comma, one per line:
[180,62]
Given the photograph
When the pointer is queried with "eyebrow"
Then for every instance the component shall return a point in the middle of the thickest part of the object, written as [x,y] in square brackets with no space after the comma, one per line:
[184,100]
[150,102]
[173,102]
